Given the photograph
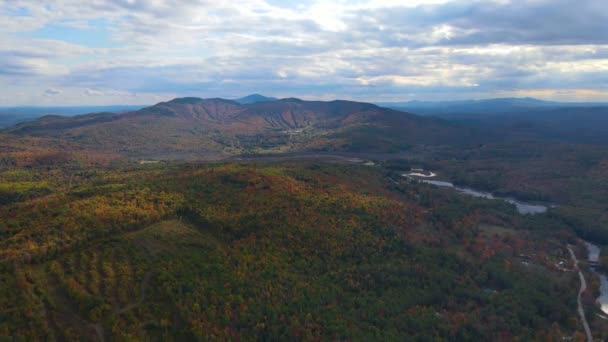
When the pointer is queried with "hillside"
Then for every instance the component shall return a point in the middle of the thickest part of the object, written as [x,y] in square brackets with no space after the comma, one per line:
[521,118]
[588,124]
[281,251]
[215,126]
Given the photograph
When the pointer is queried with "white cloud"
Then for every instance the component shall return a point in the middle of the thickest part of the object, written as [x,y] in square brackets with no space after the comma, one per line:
[368,50]
[93,92]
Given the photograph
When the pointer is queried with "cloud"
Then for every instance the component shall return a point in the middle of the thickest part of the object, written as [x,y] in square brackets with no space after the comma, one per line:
[52,92]
[359,49]
[93,92]
[108,93]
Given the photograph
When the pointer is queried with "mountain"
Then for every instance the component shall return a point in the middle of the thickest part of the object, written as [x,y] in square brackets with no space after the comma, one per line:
[488,106]
[218,126]
[255,98]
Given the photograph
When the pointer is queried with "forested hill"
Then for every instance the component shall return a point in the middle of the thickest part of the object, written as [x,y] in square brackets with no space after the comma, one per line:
[522,118]
[226,127]
[280,251]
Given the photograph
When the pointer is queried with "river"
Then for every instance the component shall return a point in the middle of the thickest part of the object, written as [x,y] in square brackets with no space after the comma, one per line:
[522,207]
[594,256]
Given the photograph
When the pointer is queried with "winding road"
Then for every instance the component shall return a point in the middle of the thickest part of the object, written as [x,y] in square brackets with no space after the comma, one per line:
[581,311]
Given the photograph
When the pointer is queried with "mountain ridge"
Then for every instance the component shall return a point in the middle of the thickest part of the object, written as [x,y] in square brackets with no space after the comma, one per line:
[494,106]
[226,126]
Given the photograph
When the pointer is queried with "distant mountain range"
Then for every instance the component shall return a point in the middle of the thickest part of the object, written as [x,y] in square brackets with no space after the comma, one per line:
[12,115]
[488,106]
[255,98]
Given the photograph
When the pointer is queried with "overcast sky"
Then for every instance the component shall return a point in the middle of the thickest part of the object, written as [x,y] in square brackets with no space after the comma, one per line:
[69,52]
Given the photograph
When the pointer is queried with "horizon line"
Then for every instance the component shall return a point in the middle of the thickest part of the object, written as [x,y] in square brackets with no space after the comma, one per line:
[291,97]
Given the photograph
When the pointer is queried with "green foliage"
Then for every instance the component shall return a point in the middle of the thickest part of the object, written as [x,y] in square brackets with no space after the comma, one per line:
[19,191]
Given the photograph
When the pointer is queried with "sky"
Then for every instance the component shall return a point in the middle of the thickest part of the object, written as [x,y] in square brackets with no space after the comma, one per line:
[68,52]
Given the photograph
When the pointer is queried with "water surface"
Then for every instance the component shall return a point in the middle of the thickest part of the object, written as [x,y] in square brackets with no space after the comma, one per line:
[522,207]
[593,255]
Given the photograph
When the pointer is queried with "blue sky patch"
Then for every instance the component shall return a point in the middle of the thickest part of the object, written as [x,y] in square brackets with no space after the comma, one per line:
[96,34]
